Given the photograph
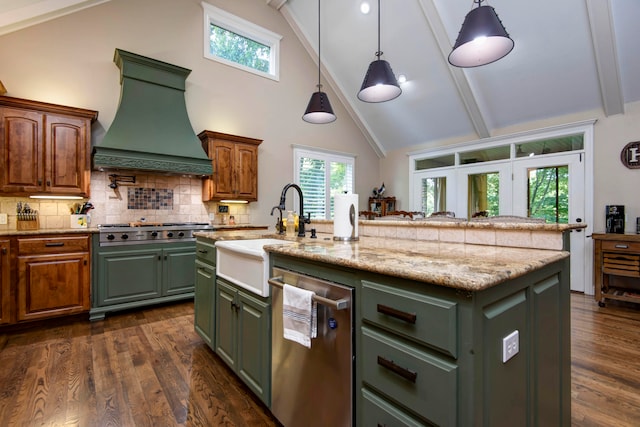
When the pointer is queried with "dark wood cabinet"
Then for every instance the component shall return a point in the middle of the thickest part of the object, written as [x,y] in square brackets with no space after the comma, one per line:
[44,148]
[616,264]
[382,206]
[5,285]
[235,167]
[53,276]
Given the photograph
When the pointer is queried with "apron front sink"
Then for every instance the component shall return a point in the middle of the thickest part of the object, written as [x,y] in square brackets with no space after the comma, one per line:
[245,263]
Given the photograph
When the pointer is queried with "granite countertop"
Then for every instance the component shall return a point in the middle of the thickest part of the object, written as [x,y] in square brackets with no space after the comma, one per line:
[456,265]
[43,231]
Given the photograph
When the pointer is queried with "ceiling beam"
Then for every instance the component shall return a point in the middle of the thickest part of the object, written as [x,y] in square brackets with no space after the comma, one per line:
[458,75]
[604,48]
[276,4]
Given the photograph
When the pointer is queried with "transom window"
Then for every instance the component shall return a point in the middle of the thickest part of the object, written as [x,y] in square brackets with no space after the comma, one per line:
[239,43]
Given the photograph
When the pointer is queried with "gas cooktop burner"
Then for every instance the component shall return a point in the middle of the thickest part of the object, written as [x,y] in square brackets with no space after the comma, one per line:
[149,232]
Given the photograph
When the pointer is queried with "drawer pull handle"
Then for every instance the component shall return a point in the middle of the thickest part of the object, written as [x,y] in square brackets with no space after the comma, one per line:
[405,373]
[53,244]
[202,251]
[402,315]
[622,246]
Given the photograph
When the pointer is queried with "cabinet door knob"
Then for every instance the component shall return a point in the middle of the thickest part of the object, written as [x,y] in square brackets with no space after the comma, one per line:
[48,183]
[4,251]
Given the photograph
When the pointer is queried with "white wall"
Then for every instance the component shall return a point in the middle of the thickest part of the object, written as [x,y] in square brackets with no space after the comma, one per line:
[613,182]
[69,61]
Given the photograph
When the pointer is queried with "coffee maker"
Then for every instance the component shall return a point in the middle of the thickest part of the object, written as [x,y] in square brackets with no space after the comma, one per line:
[614,219]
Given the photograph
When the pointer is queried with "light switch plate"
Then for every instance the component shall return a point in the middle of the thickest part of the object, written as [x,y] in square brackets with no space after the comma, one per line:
[510,346]
[3,218]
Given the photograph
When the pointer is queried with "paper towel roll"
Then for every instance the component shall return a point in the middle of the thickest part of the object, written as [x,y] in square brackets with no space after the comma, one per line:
[345,218]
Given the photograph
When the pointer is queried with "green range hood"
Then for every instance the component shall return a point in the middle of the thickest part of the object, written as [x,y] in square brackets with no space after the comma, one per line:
[151,130]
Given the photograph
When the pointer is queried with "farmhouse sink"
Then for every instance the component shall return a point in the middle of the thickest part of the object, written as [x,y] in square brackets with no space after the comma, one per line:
[246,263]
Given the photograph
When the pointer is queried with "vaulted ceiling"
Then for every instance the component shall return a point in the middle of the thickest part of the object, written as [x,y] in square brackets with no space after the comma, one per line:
[570,56]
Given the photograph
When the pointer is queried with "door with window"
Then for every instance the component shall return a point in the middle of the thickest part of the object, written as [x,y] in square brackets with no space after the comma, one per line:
[436,187]
[484,190]
[552,187]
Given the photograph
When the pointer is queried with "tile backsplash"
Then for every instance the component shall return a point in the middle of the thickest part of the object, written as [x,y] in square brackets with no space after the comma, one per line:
[156,198]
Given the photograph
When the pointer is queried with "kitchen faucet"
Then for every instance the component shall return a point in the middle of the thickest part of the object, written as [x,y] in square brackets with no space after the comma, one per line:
[282,207]
[279,226]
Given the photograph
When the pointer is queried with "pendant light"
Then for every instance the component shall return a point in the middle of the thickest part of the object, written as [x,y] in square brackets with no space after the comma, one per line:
[319,110]
[482,39]
[379,83]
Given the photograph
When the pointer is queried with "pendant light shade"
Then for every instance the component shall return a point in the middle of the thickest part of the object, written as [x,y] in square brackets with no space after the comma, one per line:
[482,39]
[319,109]
[379,84]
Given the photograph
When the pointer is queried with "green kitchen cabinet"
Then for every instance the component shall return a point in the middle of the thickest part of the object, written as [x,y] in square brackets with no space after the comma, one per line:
[205,292]
[243,336]
[433,355]
[132,276]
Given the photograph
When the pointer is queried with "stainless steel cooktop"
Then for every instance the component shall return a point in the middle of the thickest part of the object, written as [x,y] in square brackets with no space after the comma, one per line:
[138,233]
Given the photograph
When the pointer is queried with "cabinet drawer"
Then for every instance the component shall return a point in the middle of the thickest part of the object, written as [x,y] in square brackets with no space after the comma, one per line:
[621,264]
[412,314]
[378,412]
[617,245]
[423,383]
[206,251]
[51,245]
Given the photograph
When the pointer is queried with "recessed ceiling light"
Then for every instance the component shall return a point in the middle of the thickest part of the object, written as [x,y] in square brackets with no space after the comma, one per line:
[402,78]
[365,7]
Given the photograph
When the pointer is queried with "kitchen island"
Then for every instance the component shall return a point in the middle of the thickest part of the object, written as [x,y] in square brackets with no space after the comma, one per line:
[450,333]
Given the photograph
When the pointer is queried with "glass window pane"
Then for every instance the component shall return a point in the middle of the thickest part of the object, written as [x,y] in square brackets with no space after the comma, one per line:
[239,49]
[435,162]
[484,194]
[548,190]
[433,195]
[312,184]
[486,155]
[548,146]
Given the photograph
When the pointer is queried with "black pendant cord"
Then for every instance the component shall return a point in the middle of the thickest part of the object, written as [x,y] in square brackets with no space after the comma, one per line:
[379,53]
[319,85]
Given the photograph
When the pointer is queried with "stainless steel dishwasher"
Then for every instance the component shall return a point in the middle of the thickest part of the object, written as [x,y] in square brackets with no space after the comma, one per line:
[313,387]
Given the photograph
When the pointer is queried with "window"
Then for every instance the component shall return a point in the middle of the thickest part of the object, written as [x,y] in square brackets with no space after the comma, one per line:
[239,43]
[483,194]
[548,193]
[321,175]
[433,195]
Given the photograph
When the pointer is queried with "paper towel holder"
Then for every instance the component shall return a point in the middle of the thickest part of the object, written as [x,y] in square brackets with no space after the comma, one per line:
[352,220]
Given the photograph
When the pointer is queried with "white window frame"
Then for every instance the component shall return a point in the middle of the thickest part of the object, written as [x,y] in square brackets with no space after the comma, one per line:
[235,24]
[327,156]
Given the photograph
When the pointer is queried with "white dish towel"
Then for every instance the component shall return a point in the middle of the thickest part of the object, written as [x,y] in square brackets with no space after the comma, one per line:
[299,315]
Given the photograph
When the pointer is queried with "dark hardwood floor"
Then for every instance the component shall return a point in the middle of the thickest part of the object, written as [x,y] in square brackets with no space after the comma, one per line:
[149,368]
[143,368]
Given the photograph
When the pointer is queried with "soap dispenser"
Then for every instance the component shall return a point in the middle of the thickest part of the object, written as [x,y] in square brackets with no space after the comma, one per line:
[291,224]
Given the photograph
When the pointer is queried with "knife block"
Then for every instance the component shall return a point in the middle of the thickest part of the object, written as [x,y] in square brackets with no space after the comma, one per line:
[28,224]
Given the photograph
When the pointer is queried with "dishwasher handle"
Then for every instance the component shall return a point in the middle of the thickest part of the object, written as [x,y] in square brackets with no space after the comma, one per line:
[340,304]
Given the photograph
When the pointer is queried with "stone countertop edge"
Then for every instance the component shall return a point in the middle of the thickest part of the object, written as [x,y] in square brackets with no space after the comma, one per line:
[44,231]
[468,267]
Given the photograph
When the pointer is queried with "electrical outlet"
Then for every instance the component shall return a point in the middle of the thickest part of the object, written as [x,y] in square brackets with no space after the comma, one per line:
[3,218]
[212,216]
[510,346]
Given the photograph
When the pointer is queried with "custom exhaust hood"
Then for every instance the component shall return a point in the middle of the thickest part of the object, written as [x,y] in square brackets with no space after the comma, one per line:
[151,130]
